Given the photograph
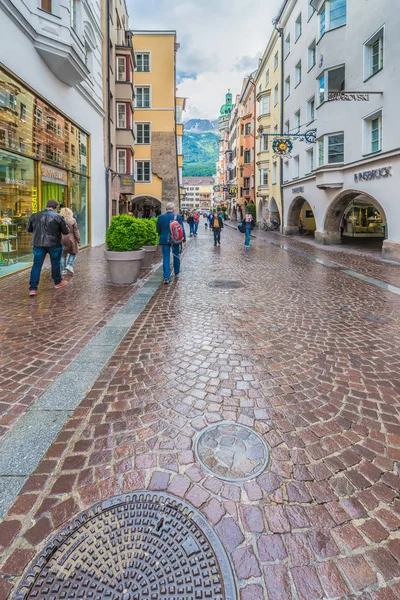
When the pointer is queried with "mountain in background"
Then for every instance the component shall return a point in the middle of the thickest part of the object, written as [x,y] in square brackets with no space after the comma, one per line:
[200,148]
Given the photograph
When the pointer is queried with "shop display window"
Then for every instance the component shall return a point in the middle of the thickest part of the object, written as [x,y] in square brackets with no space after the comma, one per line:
[79,205]
[363,220]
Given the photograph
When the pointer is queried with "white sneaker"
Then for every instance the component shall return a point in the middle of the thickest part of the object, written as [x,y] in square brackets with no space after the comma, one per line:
[63,272]
[70,268]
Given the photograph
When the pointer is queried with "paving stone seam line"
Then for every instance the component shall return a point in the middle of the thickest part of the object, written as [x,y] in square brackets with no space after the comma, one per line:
[330,264]
[22,448]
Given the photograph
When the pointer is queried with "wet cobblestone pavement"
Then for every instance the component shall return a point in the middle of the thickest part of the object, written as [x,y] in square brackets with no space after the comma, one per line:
[304,355]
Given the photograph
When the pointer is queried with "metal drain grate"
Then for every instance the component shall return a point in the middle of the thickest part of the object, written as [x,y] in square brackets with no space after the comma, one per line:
[133,547]
[225,284]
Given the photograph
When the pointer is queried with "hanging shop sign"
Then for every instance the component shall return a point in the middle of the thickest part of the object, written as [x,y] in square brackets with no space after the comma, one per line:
[374,174]
[298,190]
[127,180]
[282,147]
[54,175]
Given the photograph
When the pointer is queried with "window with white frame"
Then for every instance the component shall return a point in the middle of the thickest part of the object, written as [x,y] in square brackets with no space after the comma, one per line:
[264,105]
[142,62]
[263,143]
[297,120]
[287,87]
[179,112]
[310,160]
[312,55]
[267,77]
[179,144]
[297,73]
[74,13]
[298,28]
[122,163]
[121,68]
[336,148]
[142,97]
[275,61]
[321,152]
[143,133]
[311,109]
[332,15]
[331,81]
[286,170]
[122,115]
[263,177]
[276,95]
[322,21]
[274,172]
[287,45]
[143,171]
[372,133]
[373,54]
[296,167]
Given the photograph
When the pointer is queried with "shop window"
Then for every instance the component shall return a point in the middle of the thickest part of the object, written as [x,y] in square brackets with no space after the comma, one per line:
[363,220]
[79,204]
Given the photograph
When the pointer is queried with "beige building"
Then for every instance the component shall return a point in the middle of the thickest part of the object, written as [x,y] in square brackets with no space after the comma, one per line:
[118,72]
[198,193]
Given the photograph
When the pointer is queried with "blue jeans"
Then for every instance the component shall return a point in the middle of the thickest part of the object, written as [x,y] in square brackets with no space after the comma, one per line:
[248,234]
[166,250]
[195,227]
[64,262]
[191,226]
[39,254]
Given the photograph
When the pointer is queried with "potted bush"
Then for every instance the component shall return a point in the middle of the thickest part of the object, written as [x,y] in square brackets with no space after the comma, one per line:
[124,239]
[151,242]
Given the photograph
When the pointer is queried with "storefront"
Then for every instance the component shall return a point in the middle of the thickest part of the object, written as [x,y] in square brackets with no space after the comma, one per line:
[43,156]
[362,219]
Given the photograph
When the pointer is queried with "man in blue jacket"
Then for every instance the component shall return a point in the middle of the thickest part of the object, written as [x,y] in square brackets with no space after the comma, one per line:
[163,229]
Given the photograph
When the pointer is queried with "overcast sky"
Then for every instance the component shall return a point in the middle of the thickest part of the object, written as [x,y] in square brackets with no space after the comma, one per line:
[221,41]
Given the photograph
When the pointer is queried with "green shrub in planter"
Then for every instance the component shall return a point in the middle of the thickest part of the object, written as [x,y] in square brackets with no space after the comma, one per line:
[152,236]
[251,210]
[126,233]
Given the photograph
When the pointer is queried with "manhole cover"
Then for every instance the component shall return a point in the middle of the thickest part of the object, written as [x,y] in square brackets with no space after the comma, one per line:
[232,452]
[225,284]
[134,547]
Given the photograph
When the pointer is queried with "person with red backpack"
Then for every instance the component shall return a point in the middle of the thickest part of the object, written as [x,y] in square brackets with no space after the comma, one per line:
[196,221]
[172,235]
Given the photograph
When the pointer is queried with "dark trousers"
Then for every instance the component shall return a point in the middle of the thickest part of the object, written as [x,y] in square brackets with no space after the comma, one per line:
[217,235]
[176,250]
[39,254]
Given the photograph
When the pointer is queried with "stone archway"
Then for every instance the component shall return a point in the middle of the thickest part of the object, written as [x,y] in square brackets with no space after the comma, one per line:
[145,205]
[262,210]
[336,210]
[274,214]
[293,217]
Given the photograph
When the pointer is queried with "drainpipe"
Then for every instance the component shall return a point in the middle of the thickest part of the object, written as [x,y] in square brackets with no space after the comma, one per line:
[281,125]
[251,80]
[108,167]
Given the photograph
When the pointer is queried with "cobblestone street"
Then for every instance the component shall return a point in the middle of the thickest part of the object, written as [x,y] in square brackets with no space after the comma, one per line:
[304,497]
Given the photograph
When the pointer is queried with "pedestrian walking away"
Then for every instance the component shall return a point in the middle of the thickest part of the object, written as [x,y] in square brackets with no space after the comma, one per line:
[248,222]
[164,230]
[210,220]
[217,225]
[190,221]
[47,228]
[70,242]
[196,218]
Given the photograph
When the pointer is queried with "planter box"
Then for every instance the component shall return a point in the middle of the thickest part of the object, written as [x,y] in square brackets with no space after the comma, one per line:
[124,267]
[149,256]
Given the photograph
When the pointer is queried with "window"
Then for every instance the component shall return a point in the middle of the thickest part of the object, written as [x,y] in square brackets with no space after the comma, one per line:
[246,182]
[121,68]
[336,148]
[247,129]
[38,117]
[275,61]
[287,45]
[276,95]
[311,109]
[45,5]
[321,157]
[121,161]
[51,124]
[73,13]
[267,77]
[321,89]
[287,87]
[143,62]
[297,73]
[322,22]
[179,110]
[297,120]
[296,167]
[311,11]
[298,27]
[72,149]
[263,177]
[22,112]
[143,133]
[22,145]
[265,105]
[143,171]
[263,143]
[142,97]
[312,53]
[376,135]
[247,156]
[66,147]
[122,121]
[274,171]
[373,54]
[59,130]
[286,170]
[337,13]
[275,129]
[310,160]
[331,81]
[372,133]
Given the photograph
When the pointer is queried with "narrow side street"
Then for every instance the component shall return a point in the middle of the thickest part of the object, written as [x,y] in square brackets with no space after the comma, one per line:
[297,352]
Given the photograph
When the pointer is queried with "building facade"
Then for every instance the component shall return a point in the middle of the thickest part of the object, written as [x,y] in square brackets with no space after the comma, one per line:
[180,108]
[51,120]
[246,144]
[156,153]
[118,79]
[336,69]
[198,193]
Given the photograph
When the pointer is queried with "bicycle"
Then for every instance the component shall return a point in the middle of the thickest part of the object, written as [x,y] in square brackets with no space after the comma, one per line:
[264,225]
[274,226]
[303,231]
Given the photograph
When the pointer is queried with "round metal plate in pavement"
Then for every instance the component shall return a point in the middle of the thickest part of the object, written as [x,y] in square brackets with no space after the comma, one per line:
[141,546]
[225,284]
[232,452]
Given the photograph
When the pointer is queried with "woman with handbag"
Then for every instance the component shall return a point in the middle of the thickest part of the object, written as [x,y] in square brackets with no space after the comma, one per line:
[70,242]
[248,224]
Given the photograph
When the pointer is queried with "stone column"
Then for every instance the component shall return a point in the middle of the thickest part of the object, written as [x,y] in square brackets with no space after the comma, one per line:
[291,230]
[391,250]
[327,238]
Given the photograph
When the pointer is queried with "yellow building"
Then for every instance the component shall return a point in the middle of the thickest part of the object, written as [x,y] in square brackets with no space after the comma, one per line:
[268,117]
[155,124]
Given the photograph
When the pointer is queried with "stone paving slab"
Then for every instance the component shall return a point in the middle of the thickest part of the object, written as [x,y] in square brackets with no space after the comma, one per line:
[304,355]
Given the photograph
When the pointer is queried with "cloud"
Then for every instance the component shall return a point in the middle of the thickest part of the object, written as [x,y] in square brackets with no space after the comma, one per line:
[220,42]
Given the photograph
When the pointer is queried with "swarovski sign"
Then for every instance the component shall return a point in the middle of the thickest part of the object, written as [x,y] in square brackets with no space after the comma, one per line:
[374,174]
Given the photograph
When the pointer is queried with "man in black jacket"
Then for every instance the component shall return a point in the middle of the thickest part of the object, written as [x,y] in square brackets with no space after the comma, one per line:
[47,227]
[217,224]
